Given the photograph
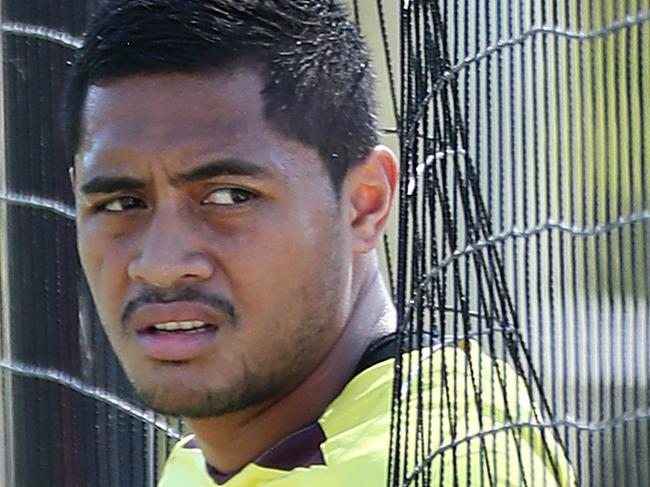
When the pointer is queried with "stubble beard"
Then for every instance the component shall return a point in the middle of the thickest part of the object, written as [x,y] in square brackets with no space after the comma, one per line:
[285,371]
[206,402]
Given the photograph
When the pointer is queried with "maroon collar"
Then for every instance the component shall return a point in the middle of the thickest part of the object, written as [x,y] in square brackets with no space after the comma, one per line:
[299,449]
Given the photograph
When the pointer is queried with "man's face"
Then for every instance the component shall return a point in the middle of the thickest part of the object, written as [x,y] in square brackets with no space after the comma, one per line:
[216,250]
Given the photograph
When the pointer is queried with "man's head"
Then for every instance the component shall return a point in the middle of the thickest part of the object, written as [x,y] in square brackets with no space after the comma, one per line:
[225,194]
[310,57]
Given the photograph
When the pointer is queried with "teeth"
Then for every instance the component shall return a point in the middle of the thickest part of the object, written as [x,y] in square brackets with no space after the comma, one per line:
[179,325]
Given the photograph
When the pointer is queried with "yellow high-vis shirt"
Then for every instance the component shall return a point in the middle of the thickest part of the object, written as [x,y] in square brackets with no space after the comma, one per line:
[348,445]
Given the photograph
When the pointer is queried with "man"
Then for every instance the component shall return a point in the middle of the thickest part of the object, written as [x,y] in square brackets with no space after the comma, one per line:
[230,193]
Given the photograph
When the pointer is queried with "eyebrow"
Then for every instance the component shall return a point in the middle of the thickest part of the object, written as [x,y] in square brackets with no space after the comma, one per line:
[225,167]
[110,184]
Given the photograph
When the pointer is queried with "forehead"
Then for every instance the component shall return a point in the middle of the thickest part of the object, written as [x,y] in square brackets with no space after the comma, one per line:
[183,116]
[230,101]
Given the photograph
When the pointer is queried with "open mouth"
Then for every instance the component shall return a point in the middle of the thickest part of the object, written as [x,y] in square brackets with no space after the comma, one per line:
[180,328]
[178,340]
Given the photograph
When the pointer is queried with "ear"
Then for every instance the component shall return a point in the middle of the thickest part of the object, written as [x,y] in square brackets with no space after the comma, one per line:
[369,188]
[72,173]
[73,177]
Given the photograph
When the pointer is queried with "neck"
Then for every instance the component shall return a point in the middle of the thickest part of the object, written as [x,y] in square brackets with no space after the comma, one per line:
[231,441]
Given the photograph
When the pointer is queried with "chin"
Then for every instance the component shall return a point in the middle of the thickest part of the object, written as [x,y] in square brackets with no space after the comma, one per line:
[191,404]
[196,403]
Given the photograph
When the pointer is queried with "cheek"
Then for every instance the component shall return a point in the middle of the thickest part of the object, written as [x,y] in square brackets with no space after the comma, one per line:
[273,265]
[91,251]
[104,261]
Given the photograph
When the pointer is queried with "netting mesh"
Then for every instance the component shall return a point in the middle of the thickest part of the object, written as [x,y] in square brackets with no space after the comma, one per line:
[523,230]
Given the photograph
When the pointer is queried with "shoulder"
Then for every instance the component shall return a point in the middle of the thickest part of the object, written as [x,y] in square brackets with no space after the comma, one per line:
[476,413]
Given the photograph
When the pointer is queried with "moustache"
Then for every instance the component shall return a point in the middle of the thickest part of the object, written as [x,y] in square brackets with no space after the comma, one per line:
[160,296]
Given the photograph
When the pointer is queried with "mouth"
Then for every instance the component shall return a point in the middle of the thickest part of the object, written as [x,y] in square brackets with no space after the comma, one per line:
[178,331]
[179,327]
[177,341]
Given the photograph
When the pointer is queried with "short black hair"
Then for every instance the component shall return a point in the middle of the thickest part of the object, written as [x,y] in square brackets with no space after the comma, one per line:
[319,82]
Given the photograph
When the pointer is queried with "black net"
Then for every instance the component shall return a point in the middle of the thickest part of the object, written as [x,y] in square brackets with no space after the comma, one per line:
[519,262]
[523,234]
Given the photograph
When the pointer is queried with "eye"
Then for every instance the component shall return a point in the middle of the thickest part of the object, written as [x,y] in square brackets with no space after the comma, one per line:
[122,204]
[228,197]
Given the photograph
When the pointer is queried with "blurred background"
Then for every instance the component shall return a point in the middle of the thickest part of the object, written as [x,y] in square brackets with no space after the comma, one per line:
[553,100]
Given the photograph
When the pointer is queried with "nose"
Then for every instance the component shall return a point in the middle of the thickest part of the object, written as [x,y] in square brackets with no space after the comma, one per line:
[170,253]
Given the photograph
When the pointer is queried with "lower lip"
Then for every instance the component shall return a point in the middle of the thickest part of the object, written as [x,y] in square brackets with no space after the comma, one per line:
[176,346]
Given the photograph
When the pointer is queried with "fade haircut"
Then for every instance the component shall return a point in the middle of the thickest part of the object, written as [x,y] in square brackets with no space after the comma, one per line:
[319,83]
